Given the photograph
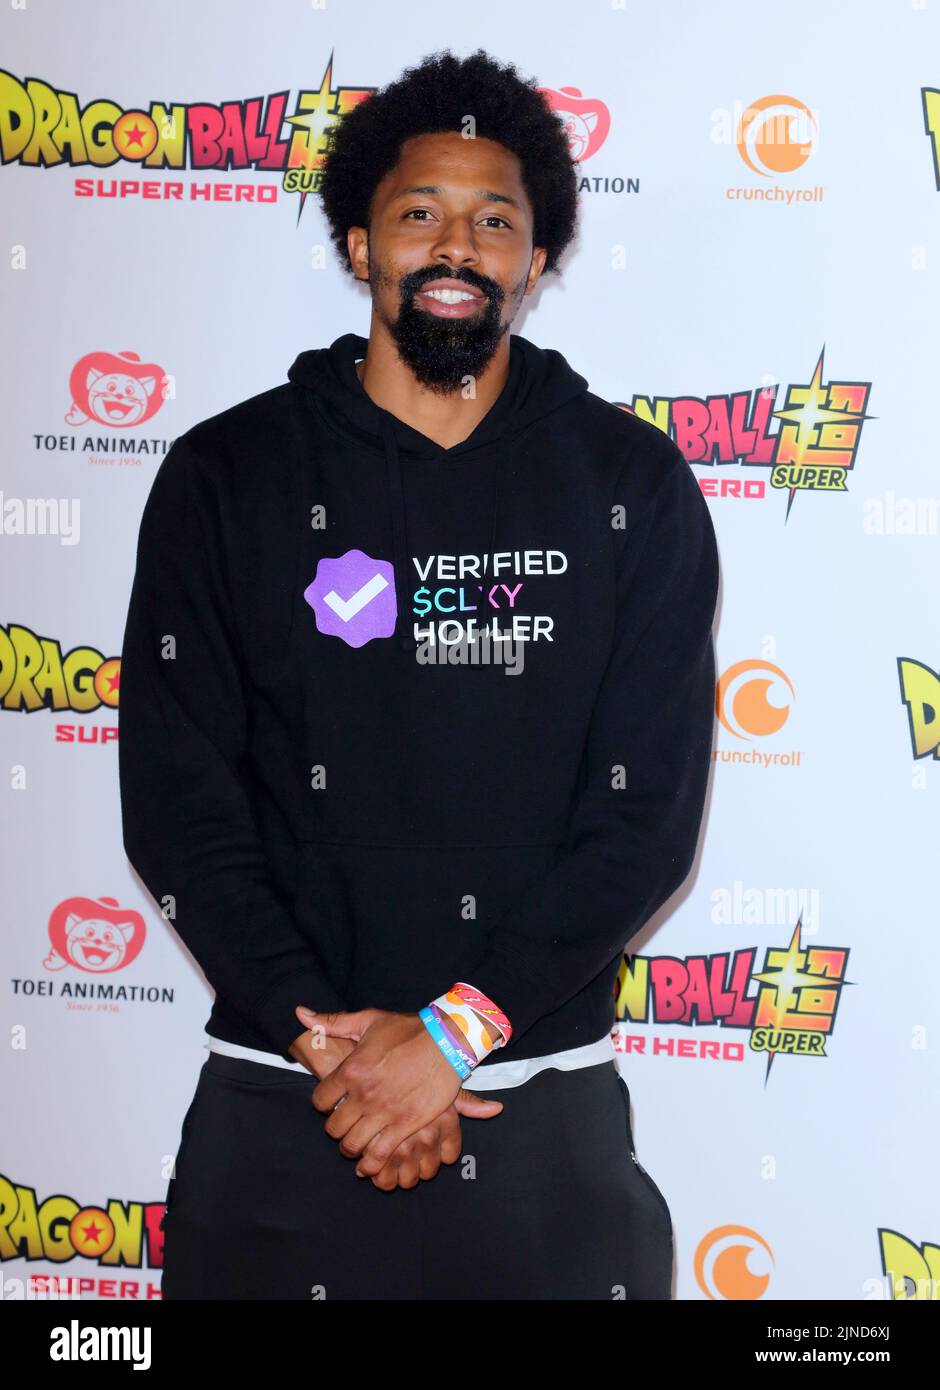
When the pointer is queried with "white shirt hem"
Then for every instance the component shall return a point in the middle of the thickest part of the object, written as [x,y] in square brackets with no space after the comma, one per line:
[495,1076]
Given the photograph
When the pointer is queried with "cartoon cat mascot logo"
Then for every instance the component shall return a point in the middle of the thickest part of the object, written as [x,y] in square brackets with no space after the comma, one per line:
[96,935]
[114,389]
[586,121]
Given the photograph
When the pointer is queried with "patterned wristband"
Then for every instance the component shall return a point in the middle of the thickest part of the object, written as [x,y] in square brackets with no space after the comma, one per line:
[483,1005]
[463,1013]
[458,1057]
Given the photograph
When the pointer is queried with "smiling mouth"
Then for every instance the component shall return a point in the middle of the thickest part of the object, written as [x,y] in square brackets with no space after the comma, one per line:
[451,303]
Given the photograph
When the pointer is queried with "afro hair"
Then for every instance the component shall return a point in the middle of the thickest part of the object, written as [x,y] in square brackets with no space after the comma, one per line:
[437,95]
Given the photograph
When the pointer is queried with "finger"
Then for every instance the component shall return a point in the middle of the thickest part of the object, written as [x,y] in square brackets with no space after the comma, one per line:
[451,1146]
[327,1096]
[379,1149]
[387,1179]
[319,1022]
[408,1174]
[345,1117]
[355,1141]
[302,1051]
[425,1149]
[405,1153]
[429,1164]
[476,1107]
[337,1025]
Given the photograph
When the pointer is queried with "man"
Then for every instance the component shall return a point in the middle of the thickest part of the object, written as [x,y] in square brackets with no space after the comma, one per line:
[416,719]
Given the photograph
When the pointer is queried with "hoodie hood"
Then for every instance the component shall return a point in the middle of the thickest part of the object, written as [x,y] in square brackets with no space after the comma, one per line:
[539,381]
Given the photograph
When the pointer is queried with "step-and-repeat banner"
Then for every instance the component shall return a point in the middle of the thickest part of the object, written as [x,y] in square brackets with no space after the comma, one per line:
[756,271]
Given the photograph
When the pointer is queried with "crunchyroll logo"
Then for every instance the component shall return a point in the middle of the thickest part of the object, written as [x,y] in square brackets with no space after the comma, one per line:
[753,699]
[733,1263]
[776,135]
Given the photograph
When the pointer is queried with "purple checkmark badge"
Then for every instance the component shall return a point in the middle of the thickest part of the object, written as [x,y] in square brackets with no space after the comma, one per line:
[353,597]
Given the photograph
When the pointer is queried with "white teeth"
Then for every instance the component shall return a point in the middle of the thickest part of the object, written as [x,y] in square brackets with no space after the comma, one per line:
[449,296]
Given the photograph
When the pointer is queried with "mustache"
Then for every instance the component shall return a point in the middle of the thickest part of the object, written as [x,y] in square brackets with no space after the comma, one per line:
[417,279]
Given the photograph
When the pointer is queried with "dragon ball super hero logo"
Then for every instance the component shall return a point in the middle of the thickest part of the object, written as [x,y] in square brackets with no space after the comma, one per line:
[930,98]
[813,450]
[792,1013]
[122,1234]
[920,693]
[36,673]
[42,126]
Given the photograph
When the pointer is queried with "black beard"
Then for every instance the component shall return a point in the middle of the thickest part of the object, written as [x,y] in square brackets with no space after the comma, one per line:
[442,352]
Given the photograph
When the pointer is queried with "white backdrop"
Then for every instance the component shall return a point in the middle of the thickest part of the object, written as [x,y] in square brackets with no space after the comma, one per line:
[701,273]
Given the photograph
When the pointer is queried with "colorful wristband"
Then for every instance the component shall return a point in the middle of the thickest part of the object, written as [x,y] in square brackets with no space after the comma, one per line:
[483,1005]
[457,1036]
[462,1014]
[457,1057]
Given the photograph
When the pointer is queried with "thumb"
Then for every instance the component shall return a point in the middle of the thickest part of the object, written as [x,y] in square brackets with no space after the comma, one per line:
[338,1025]
[475,1107]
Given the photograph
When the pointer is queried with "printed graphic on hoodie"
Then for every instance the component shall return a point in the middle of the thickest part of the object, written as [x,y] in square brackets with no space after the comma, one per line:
[353,597]
[483,593]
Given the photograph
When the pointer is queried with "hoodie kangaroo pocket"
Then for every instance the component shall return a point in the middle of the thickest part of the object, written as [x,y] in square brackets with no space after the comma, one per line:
[405,922]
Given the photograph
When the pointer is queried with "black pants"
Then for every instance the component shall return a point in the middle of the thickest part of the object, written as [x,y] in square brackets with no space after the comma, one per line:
[545,1201]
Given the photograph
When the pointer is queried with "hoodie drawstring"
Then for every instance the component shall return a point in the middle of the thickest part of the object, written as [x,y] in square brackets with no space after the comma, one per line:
[404,628]
[399,534]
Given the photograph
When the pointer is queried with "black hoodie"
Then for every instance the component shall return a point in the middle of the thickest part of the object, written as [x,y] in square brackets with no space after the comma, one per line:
[331,815]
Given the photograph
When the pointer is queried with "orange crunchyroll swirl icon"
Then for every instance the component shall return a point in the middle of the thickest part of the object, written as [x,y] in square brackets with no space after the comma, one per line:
[776,135]
[733,1263]
[753,699]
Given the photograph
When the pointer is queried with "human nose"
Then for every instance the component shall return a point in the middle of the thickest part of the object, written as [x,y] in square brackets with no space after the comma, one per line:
[456,244]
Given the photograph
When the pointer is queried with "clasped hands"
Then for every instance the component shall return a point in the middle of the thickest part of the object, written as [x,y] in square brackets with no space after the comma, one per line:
[389,1095]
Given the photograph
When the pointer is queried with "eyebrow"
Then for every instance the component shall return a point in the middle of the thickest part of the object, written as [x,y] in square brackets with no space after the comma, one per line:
[484,194]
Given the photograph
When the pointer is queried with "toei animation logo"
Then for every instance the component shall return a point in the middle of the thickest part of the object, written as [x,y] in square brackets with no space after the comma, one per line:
[115,389]
[585,120]
[585,123]
[94,934]
[43,126]
[792,1013]
[813,450]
